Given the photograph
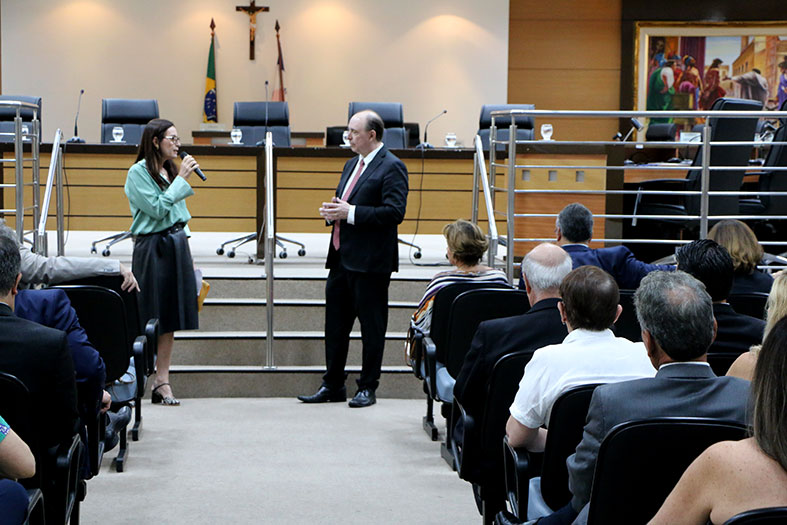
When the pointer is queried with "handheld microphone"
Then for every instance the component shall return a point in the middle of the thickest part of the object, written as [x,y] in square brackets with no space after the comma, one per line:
[425,144]
[75,138]
[182,154]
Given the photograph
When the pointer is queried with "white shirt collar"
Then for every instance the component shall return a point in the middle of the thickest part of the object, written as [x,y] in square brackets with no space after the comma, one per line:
[370,157]
[702,363]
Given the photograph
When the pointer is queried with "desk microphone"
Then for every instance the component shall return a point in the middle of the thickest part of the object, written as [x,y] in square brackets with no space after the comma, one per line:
[75,139]
[182,154]
[635,124]
[262,142]
[425,144]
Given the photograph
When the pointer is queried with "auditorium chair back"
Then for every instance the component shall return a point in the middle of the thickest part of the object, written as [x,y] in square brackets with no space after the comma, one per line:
[253,121]
[392,113]
[524,124]
[129,114]
[8,114]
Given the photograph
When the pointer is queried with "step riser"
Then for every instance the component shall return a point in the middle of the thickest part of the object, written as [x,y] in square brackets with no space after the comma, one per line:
[288,318]
[302,289]
[287,352]
[282,384]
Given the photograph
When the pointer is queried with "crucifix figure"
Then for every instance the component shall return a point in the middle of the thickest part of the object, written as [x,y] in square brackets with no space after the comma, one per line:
[252,9]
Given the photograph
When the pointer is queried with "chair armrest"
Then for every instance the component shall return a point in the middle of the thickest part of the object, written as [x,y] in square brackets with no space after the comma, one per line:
[68,459]
[430,356]
[35,507]
[152,334]
[417,349]
[465,446]
[520,466]
[139,349]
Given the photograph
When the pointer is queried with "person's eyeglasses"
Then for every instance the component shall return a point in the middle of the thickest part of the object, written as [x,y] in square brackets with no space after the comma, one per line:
[174,138]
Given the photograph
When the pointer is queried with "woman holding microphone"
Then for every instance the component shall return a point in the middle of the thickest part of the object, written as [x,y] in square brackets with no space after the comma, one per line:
[156,189]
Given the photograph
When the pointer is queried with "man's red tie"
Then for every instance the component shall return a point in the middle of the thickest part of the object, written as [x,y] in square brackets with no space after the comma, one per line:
[349,190]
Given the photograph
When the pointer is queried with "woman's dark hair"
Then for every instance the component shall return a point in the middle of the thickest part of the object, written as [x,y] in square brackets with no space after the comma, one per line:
[152,154]
[769,391]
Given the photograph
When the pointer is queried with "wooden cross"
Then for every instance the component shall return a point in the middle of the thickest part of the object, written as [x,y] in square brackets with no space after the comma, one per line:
[252,9]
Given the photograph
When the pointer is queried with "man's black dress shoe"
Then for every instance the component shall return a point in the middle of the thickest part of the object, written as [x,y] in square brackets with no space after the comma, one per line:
[326,395]
[363,398]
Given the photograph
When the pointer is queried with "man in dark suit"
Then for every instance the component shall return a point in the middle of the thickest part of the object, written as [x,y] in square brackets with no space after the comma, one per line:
[711,264]
[574,229]
[676,317]
[37,355]
[369,204]
[544,268]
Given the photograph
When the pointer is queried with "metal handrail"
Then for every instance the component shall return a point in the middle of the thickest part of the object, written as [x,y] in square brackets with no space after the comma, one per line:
[479,170]
[55,173]
[270,247]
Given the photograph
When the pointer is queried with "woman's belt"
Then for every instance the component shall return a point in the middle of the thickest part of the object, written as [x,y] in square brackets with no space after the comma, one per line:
[178,226]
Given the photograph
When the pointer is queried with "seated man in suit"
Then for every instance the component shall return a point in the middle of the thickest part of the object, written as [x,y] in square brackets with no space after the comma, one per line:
[37,269]
[544,268]
[36,355]
[711,264]
[574,229]
[676,317]
[589,354]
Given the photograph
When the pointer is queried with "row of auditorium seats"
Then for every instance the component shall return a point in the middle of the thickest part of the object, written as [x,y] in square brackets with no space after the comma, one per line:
[479,453]
[111,320]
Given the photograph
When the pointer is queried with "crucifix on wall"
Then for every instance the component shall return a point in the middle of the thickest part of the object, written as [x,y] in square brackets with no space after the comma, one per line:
[252,9]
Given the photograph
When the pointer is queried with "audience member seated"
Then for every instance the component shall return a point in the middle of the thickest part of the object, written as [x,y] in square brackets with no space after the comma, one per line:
[775,311]
[735,476]
[39,269]
[589,354]
[712,265]
[467,244]
[544,269]
[16,462]
[746,253]
[574,230]
[676,316]
[37,355]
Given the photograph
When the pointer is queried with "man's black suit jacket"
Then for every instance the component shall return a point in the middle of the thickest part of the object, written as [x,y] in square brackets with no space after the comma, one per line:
[538,327]
[380,199]
[39,357]
[736,332]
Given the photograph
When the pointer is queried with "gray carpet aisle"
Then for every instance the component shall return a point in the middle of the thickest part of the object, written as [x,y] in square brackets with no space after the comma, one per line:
[275,460]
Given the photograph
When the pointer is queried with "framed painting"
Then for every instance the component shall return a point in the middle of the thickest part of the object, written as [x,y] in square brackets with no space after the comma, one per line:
[687,65]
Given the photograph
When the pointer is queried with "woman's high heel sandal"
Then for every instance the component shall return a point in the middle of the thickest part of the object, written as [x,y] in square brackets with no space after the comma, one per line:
[157,398]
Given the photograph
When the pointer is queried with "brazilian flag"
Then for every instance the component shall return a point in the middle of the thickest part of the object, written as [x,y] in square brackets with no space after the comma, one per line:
[209,113]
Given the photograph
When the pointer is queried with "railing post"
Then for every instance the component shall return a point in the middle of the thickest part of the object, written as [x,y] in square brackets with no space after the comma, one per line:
[35,149]
[270,247]
[474,205]
[511,200]
[706,133]
[19,177]
[61,238]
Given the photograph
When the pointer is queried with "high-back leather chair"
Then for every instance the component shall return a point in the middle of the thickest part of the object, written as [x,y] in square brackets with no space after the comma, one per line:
[392,113]
[254,119]
[7,116]
[524,129]
[771,180]
[629,485]
[129,114]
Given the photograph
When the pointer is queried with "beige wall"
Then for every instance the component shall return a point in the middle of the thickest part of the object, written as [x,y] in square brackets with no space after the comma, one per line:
[429,55]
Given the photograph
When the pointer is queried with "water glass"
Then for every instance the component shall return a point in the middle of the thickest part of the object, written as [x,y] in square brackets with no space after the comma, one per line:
[236,135]
[346,137]
[25,131]
[450,140]
[117,134]
[546,131]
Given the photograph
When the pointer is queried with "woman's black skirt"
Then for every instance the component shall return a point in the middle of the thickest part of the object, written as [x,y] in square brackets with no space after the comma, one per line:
[162,264]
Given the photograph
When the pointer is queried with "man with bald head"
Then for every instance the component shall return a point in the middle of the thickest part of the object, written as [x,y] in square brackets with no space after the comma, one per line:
[369,205]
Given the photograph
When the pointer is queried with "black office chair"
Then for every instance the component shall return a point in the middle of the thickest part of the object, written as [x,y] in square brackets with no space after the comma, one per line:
[102,313]
[255,119]
[627,324]
[768,516]
[721,155]
[333,136]
[524,129]
[468,310]
[535,493]
[629,485]
[413,134]
[132,115]
[7,116]
[57,470]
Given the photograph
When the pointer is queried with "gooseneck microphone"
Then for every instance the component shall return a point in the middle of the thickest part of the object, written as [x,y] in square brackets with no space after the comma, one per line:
[267,102]
[182,154]
[425,144]
[75,139]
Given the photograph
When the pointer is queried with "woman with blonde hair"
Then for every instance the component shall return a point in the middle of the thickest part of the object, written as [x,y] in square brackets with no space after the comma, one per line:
[746,253]
[731,477]
[775,311]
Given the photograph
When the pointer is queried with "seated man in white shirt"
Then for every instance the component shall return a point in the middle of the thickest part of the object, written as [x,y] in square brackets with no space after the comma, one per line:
[589,354]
